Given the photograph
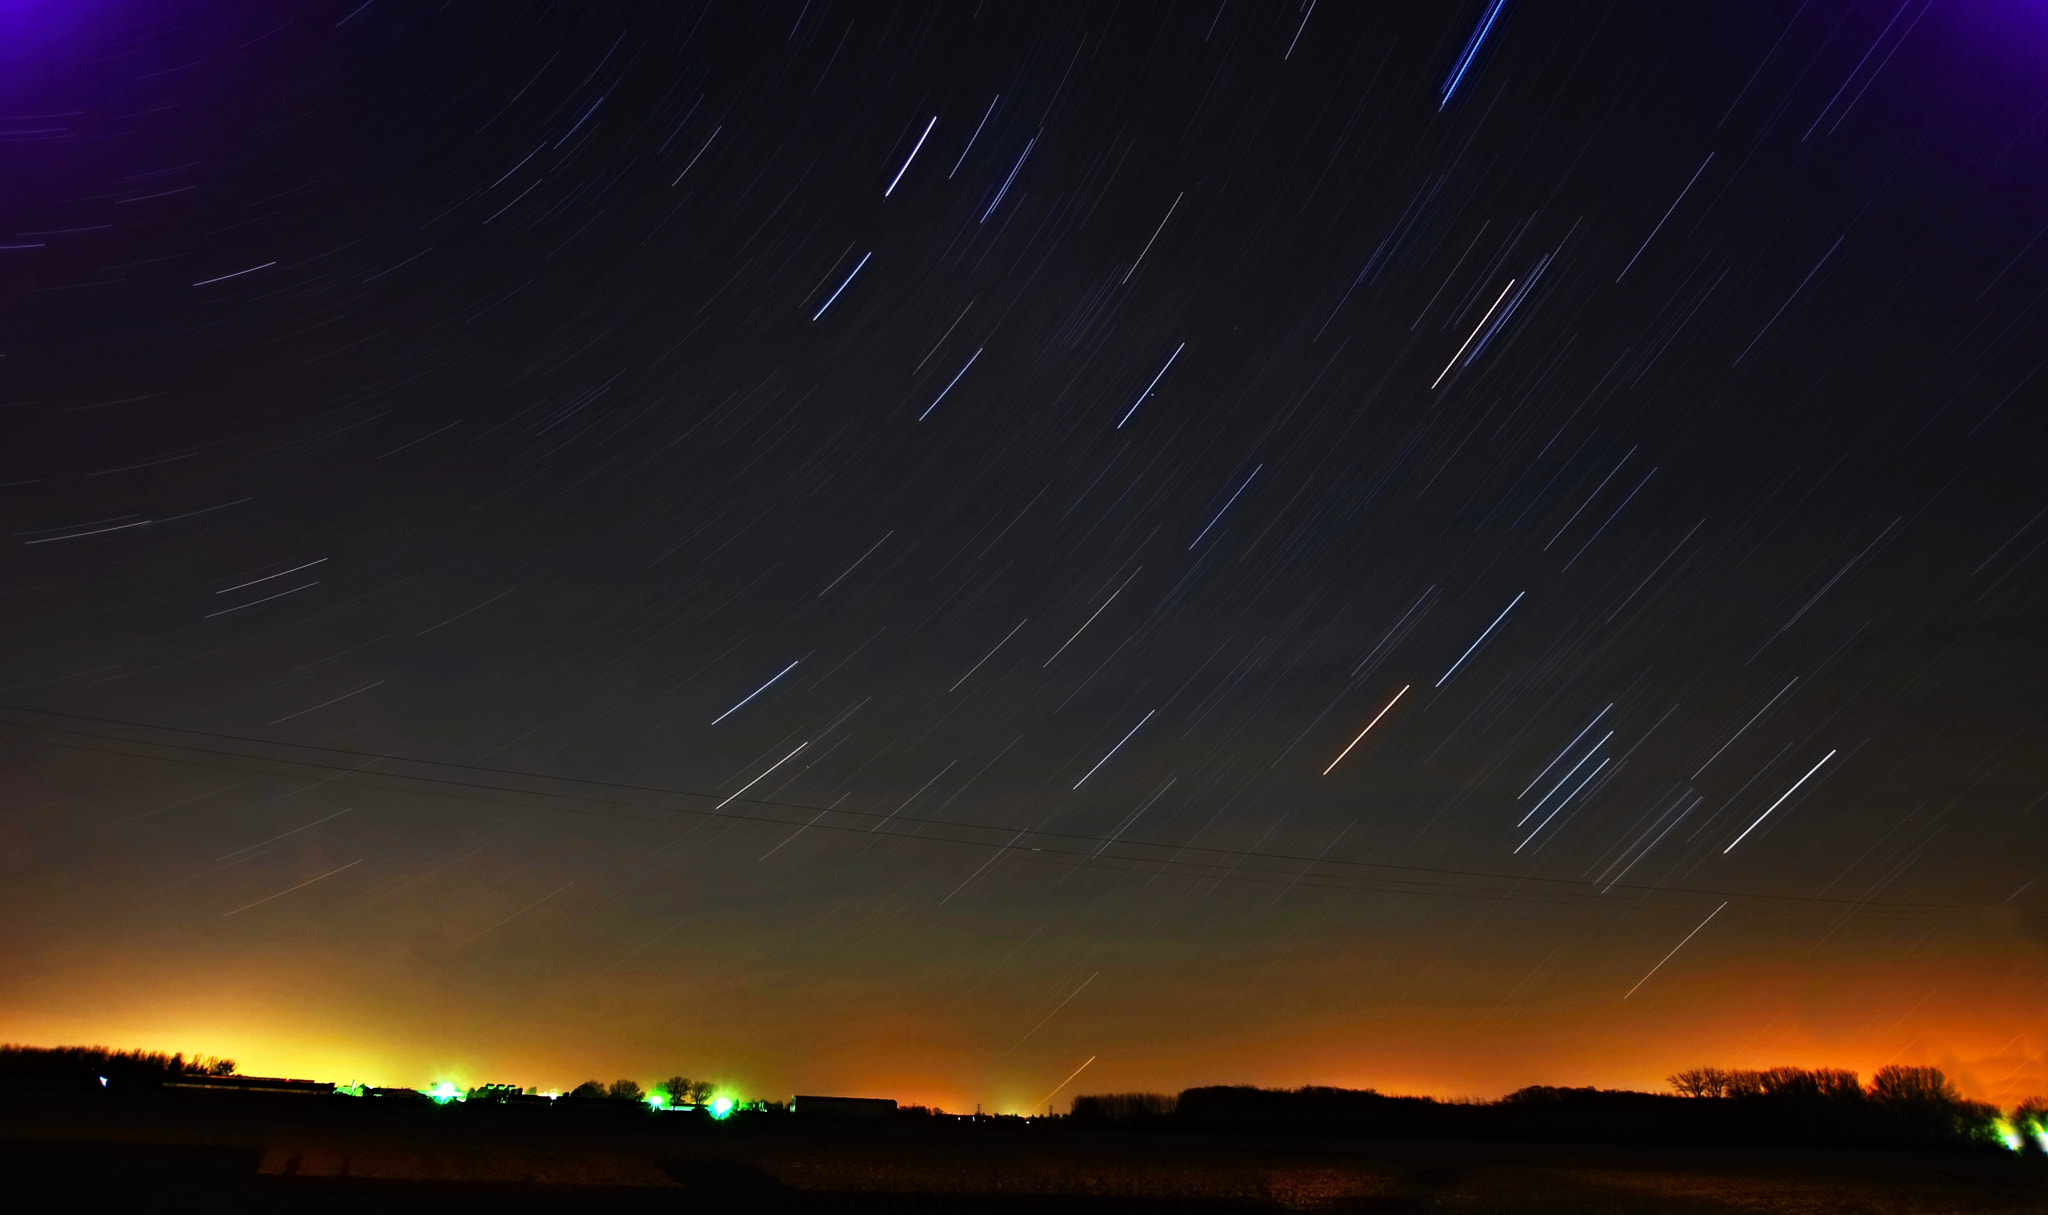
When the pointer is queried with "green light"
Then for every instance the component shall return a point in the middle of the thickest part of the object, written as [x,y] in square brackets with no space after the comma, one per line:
[444,1092]
[657,1100]
[2007,1135]
[721,1107]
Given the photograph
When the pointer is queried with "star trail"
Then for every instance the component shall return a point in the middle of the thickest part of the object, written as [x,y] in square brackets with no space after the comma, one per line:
[920,549]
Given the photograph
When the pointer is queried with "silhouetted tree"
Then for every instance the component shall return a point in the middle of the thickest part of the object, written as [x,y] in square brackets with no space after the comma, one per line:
[1699,1082]
[1920,1103]
[589,1090]
[1895,1085]
[2030,1119]
[681,1090]
[625,1090]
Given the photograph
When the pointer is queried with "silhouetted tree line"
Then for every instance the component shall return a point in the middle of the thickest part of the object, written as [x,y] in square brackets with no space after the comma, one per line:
[617,1090]
[676,1090]
[70,1066]
[1902,1106]
[1126,1109]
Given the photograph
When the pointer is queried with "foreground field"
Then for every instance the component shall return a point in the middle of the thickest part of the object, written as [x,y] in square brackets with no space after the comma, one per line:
[318,1155]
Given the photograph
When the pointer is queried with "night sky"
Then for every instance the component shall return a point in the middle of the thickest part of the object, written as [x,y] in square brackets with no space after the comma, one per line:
[899,549]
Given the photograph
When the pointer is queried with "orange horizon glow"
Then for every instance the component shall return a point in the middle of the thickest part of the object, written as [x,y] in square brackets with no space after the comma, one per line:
[1441,1053]
[387,984]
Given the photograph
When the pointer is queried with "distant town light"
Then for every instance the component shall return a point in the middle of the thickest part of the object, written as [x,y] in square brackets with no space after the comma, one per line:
[721,1107]
[444,1092]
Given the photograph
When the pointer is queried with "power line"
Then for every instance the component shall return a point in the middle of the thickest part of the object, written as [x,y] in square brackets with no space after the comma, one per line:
[1079,846]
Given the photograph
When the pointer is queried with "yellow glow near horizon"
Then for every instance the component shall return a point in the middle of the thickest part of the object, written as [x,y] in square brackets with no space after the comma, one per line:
[288,1018]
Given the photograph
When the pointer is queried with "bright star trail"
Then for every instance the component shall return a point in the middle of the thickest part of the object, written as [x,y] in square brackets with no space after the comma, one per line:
[1362,733]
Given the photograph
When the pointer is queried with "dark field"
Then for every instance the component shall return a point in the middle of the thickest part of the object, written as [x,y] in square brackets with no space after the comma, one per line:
[327,1154]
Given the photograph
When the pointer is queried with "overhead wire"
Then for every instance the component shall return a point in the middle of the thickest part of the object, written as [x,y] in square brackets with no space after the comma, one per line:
[1061,847]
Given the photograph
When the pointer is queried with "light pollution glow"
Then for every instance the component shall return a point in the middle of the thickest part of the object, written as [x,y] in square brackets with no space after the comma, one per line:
[284,1020]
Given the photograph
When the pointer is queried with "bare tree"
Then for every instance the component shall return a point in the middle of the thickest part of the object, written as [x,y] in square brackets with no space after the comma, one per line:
[681,1090]
[1895,1085]
[1698,1082]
